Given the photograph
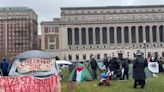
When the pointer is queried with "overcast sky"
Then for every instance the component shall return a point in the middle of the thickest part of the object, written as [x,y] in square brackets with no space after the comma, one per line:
[48,9]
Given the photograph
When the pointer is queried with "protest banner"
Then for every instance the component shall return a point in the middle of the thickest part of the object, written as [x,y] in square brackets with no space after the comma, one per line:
[30,84]
[35,64]
[153,67]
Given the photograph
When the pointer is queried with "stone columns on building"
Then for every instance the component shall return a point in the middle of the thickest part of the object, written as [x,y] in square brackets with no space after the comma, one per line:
[158,35]
[80,33]
[143,33]
[150,34]
[73,36]
[122,35]
[130,34]
[115,36]
[137,35]
[94,39]
[108,38]
[87,36]
[101,37]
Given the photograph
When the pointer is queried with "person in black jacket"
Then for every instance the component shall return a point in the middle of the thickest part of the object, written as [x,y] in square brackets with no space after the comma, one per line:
[94,67]
[4,66]
[125,66]
[113,65]
[106,63]
[139,65]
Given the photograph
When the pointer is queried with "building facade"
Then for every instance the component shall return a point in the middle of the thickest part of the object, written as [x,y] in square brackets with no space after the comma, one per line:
[105,31]
[18,30]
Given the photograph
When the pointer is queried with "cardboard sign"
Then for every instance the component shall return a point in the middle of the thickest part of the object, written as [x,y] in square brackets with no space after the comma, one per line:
[30,84]
[153,67]
[35,64]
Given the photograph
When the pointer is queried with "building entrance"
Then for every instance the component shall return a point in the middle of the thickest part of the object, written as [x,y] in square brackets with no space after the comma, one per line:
[120,55]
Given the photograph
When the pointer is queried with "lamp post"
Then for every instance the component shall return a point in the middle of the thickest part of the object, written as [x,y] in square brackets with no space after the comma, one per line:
[144,42]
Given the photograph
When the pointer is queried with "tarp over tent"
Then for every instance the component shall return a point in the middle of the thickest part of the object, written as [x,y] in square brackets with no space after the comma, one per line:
[80,73]
[35,55]
[34,71]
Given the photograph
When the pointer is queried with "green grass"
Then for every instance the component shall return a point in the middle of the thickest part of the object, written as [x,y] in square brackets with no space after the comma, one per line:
[152,85]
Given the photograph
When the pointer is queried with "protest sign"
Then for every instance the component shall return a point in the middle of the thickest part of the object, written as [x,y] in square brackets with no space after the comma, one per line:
[30,84]
[35,64]
[153,67]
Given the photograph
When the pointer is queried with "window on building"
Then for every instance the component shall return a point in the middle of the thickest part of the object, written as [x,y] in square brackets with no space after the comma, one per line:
[140,35]
[111,33]
[104,35]
[134,55]
[90,34]
[147,32]
[51,46]
[91,55]
[84,56]
[105,54]
[149,55]
[162,54]
[156,54]
[51,39]
[154,34]
[70,57]
[69,36]
[161,33]
[133,32]
[98,56]
[119,35]
[77,56]
[83,35]
[97,35]
[76,36]
[126,34]
[128,54]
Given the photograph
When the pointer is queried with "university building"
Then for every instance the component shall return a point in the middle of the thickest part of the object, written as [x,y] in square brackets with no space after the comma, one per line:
[105,31]
[18,30]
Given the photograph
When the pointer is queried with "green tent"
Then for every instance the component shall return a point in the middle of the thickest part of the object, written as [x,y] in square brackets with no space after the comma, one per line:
[83,75]
[147,71]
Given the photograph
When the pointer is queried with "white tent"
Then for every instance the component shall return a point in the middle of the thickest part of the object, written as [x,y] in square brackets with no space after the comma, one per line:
[62,62]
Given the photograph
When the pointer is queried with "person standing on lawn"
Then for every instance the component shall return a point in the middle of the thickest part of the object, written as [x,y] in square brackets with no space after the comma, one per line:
[94,67]
[139,65]
[4,66]
[106,63]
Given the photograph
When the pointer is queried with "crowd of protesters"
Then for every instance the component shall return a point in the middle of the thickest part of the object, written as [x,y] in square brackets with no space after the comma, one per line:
[118,68]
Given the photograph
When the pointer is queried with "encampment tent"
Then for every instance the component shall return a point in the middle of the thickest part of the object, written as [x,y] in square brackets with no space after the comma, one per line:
[80,73]
[27,64]
[32,71]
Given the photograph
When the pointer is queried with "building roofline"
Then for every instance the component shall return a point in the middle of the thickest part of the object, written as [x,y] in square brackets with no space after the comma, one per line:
[15,8]
[112,7]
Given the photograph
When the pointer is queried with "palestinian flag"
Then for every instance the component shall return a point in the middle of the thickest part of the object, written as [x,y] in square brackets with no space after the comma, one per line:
[80,73]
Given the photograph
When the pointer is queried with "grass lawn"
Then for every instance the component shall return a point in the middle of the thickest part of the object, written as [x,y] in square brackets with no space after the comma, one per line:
[152,85]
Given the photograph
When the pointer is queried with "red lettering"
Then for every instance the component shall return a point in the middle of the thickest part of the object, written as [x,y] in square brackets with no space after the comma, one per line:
[29,84]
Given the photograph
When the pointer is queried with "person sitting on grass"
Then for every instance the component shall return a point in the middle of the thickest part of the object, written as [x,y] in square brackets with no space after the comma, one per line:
[105,79]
